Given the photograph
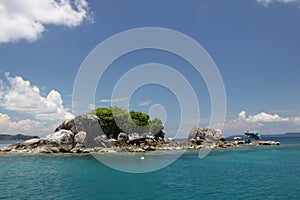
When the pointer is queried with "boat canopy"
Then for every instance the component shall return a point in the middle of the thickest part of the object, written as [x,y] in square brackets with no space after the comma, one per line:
[253,134]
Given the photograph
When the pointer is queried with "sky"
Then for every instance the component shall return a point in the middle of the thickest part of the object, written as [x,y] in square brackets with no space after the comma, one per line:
[254,44]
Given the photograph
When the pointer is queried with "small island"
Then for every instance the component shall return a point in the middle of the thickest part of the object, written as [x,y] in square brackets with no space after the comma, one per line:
[7,137]
[100,131]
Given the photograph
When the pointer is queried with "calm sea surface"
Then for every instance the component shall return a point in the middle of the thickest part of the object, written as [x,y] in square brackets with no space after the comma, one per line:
[270,172]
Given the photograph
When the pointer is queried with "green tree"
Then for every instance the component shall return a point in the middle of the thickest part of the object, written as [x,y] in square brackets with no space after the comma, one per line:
[114,120]
[139,118]
[107,120]
[156,128]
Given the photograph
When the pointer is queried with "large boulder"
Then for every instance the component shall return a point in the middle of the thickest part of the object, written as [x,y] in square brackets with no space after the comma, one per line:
[196,132]
[85,123]
[90,124]
[133,136]
[67,125]
[80,137]
[61,137]
[202,134]
[123,137]
[32,141]
[213,134]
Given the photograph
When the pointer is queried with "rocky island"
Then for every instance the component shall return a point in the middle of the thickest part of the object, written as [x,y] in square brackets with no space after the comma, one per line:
[98,132]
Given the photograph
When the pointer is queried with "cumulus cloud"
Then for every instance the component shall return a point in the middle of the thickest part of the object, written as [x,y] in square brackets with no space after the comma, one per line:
[242,115]
[27,126]
[21,96]
[26,19]
[268,2]
[263,122]
[261,117]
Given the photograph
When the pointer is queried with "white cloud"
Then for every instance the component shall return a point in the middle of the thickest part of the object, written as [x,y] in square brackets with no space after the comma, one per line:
[26,19]
[296,120]
[27,126]
[91,106]
[266,3]
[21,96]
[113,100]
[144,103]
[263,122]
[261,117]
[242,115]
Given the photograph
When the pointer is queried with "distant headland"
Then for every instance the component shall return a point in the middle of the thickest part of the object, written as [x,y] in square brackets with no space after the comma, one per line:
[7,137]
[292,134]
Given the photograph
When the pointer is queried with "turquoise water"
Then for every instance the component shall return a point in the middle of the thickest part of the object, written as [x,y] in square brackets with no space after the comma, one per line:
[245,173]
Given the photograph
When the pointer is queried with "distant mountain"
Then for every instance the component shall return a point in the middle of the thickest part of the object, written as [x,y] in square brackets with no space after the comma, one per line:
[16,137]
[293,134]
[290,134]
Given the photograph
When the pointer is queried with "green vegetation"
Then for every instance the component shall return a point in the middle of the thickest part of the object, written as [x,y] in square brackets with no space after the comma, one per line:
[114,120]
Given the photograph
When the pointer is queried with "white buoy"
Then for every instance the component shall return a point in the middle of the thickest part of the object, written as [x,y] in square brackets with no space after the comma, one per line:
[142,158]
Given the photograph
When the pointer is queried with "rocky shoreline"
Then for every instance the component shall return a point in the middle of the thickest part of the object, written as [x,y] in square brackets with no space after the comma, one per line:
[84,135]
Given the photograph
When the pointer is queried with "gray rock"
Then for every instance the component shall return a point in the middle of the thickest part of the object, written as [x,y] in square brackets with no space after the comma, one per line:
[54,149]
[237,139]
[76,150]
[32,141]
[6,149]
[44,141]
[123,137]
[138,150]
[196,132]
[90,125]
[61,137]
[80,137]
[205,134]
[43,150]
[149,148]
[65,149]
[237,142]
[67,125]
[268,143]
[212,134]
[112,140]
[87,150]
[134,136]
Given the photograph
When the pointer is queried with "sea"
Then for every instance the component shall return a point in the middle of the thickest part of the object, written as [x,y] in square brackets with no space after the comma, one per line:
[265,172]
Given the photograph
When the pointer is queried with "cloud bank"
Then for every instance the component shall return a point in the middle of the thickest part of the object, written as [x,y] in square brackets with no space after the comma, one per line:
[20,96]
[263,122]
[27,126]
[40,114]
[266,3]
[261,117]
[26,19]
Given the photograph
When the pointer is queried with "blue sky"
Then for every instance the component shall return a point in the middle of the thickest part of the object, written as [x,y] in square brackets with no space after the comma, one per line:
[254,43]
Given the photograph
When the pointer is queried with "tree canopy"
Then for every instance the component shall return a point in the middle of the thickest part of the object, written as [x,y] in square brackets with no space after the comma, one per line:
[114,120]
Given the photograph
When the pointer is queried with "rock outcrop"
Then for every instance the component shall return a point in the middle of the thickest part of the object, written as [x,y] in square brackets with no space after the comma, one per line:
[83,134]
[263,143]
[61,137]
[87,131]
